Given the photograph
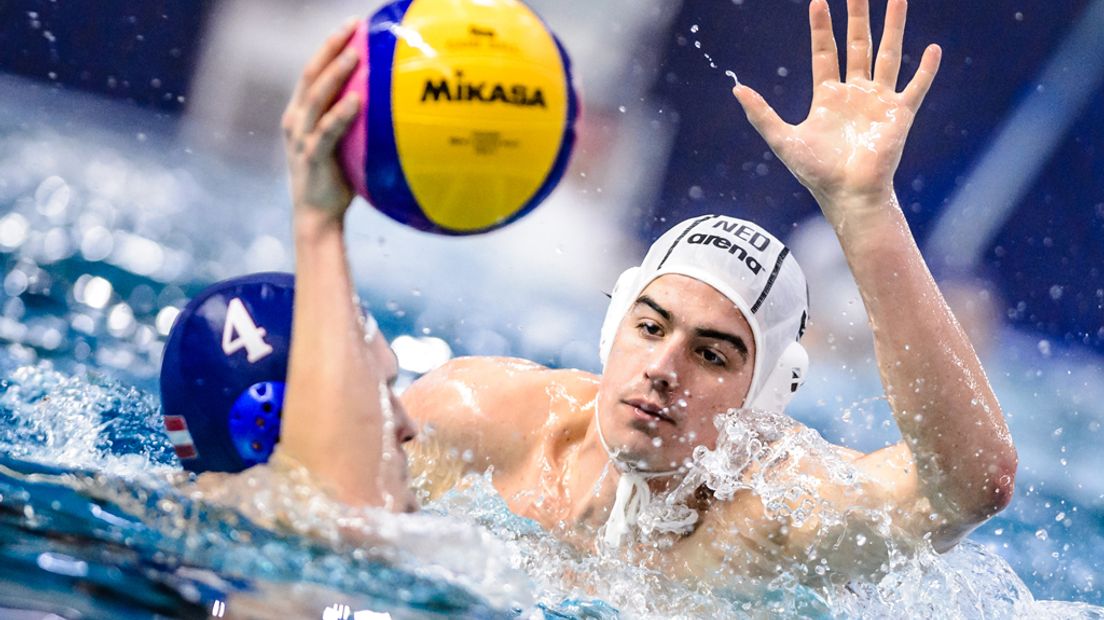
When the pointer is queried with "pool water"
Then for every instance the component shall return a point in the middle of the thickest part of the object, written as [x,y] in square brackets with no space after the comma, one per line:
[97,521]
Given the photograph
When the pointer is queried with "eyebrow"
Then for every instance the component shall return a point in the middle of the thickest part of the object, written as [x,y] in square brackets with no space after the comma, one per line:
[651,303]
[733,339]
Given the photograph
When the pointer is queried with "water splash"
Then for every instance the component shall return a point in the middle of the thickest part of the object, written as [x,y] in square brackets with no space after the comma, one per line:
[694,29]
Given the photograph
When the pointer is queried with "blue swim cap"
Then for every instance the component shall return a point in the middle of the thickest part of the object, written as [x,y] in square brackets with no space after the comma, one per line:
[223,373]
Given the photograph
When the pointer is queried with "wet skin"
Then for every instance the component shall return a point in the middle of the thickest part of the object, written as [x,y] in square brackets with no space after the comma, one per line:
[955,466]
[683,353]
[536,428]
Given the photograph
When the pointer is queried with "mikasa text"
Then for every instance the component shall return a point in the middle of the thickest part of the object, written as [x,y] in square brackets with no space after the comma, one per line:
[484,92]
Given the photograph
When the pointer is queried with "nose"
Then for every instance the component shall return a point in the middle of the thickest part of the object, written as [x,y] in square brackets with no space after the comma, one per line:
[662,371]
[405,428]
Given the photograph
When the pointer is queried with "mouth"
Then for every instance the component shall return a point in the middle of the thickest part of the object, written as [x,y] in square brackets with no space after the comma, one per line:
[650,410]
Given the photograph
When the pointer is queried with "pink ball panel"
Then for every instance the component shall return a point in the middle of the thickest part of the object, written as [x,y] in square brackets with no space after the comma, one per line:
[354,145]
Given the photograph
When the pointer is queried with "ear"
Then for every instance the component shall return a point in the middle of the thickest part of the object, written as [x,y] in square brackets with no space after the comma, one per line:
[781,384]
[621,299]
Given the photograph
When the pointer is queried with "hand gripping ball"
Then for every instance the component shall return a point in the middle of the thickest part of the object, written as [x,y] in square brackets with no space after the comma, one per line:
[469,113]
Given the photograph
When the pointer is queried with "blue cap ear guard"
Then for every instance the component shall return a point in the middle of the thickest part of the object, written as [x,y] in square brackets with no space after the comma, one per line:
[223,373]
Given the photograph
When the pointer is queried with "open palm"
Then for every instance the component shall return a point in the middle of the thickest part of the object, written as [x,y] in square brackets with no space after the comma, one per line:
[852,140]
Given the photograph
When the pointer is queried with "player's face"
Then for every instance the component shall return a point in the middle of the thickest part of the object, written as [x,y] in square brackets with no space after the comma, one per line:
[682,354]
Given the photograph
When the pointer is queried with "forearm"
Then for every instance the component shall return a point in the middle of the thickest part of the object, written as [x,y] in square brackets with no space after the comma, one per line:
[948,415]
[332,422]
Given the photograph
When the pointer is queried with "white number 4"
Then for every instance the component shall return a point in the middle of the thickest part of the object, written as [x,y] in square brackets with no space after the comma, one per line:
[240,332]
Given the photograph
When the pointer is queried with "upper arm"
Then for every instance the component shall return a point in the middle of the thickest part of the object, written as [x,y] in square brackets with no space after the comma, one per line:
[473,413]
[894,484]
[884,507]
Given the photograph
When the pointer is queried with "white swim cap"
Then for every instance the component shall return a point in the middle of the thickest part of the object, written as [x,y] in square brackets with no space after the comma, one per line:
[753,269]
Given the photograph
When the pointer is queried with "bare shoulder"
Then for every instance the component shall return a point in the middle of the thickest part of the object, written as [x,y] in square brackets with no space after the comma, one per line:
[486,386]
[491,411]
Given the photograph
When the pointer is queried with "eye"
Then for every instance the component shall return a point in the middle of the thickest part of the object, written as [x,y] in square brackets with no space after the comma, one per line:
[711,357]
[649,328]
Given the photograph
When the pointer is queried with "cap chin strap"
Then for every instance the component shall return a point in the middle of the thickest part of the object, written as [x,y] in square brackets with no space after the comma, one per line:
[633,493]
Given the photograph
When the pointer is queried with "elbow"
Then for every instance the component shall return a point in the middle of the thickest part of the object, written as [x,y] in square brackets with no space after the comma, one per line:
[997,488]
[990,491]
[999,462]
[977,504]
[1002,481]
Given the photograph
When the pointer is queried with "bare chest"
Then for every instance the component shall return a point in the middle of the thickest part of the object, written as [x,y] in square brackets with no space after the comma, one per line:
[736,545]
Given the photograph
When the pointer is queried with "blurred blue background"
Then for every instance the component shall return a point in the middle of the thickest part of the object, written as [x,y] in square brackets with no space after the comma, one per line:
[1041,244]
[140,160]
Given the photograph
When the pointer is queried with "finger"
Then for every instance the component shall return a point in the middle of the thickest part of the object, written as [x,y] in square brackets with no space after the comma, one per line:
[917,89]
[859,44]
[335,123]
[325,89]
[888,65]
[825,55]
[331,47]
[761,116]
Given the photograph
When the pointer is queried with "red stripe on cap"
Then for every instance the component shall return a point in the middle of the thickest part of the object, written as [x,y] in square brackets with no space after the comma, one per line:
[185,452]
[175,423]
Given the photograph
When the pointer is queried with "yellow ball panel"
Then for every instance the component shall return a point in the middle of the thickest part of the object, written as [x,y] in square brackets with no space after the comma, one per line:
[479,106]
[469,178]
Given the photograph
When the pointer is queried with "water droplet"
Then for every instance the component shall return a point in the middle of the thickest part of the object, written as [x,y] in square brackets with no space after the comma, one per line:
[1059,516]
[621,109]
[783,71]
[694,28]
[1041,534]
[1018,16]
[52,196]
[860,540]
[732,74]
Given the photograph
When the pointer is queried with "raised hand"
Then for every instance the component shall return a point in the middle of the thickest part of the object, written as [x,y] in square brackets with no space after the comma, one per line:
[313,124]
[850,144]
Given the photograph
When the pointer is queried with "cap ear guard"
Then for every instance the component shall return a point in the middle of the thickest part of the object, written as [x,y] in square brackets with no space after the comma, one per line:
[620,302]
[785,377]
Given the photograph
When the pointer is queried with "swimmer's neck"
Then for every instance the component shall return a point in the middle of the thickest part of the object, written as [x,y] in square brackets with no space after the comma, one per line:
[591,480]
